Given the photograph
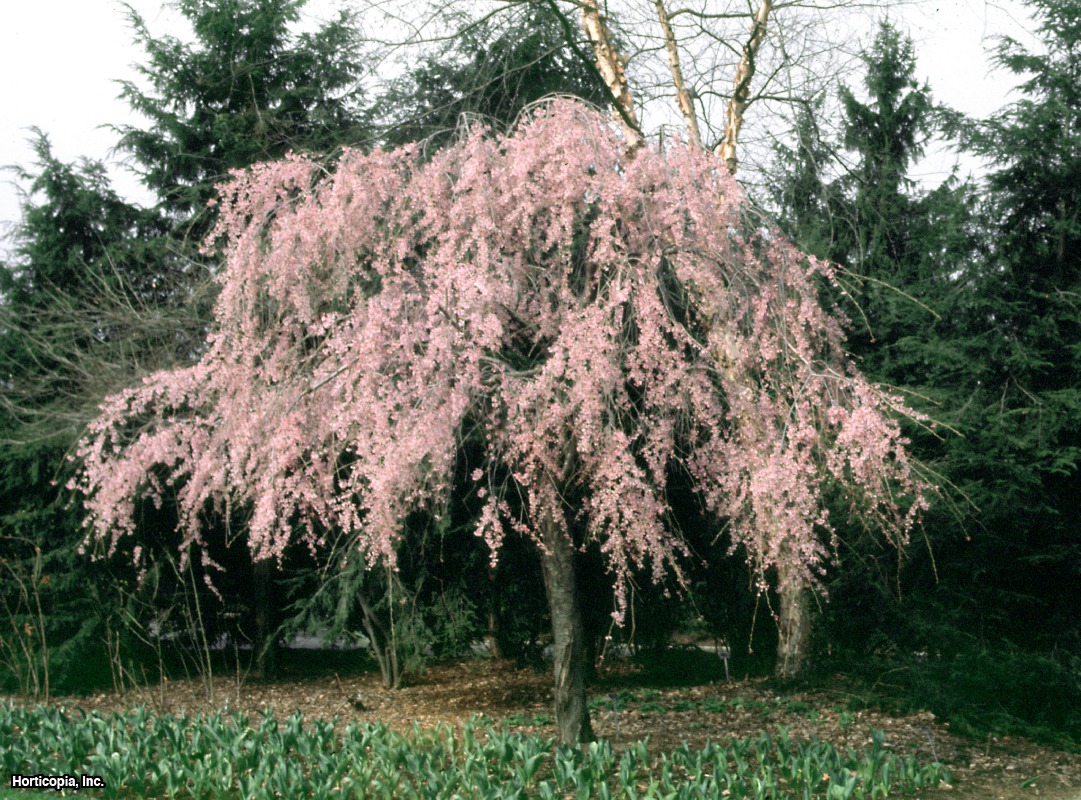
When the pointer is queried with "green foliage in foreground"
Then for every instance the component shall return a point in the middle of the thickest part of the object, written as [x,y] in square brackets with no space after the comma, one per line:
[229,756]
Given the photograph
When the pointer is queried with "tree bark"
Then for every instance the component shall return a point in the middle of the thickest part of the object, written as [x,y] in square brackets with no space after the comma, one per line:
[494,627]
[568,631]
[610,65]
[381,644]
[683,95]
[794,626]
[266,647]
[741,89]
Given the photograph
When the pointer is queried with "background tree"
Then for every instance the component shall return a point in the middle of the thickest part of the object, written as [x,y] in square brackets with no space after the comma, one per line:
[907,254]
[84,276]
[901,253]
[880,245]
[700,70]
[100,292]
[968,307]
[489,74]
[77,307]
[1022,453]
[247,89]
[807,200]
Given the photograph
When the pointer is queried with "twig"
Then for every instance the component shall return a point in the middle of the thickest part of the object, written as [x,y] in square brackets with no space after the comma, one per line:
[356,702]
[931,741]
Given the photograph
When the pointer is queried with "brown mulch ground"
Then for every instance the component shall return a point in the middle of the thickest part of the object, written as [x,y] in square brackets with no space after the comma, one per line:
[452,693]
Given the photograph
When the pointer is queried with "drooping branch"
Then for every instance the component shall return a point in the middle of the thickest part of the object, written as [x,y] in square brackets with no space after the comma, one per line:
[741,90]
[753,434]
[683,96]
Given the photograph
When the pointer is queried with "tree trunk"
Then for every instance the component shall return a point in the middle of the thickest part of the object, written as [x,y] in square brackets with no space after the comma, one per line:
[492,637]
[381,643]
[495,632]
[741,89]
[266,648]
[610,65]
[557,559]
[683,95]
[794,629]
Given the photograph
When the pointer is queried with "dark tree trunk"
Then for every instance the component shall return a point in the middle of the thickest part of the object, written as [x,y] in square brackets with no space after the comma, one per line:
[794,629]
[494,647]
[266,647]
[495,632]
[572,713]
[382,645]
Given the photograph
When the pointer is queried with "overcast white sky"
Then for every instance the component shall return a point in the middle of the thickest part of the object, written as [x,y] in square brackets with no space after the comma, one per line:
[59,60]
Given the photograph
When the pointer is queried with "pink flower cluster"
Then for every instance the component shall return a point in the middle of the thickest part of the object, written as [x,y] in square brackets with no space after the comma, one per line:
[604,318]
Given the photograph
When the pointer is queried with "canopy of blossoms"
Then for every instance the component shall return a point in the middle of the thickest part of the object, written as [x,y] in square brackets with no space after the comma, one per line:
[597,318]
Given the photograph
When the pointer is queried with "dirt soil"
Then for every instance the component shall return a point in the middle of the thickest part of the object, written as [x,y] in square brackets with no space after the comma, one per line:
[1006,768]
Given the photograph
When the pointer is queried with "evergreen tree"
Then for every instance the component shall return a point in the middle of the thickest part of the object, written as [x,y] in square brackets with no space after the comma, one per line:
[248,89]
[100,292]
[879,245]
[906,261]
[1023,421]
[811,206]
[909,258]
[71,217]
[69,322]
[84,291]
[969,306]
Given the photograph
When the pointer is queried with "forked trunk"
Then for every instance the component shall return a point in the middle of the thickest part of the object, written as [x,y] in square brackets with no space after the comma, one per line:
[557,559]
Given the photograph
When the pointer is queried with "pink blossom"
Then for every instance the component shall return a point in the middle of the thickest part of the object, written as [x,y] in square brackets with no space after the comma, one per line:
[603,317]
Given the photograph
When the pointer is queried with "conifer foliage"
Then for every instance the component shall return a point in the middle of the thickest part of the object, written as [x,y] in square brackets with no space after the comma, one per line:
[248,88]
[599,318]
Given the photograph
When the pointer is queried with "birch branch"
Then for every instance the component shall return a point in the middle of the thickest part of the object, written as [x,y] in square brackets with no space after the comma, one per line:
[741,92]
[611,68]
[683,97]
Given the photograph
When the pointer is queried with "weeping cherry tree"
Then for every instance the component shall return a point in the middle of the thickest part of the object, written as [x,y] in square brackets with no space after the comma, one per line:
[599,317]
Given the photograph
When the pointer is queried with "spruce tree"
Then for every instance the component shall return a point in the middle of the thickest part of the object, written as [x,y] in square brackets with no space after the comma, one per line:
[248,89]
[968,304]
[69,323]
[100,292]
[905,256]
[1023,422]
